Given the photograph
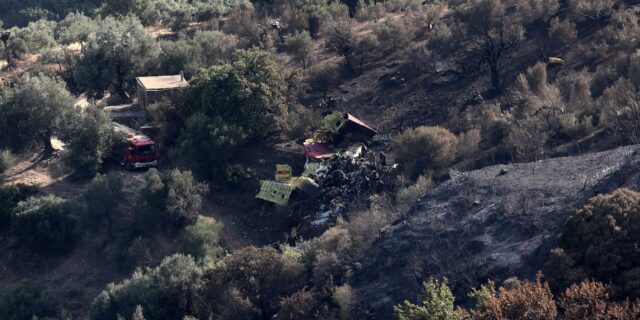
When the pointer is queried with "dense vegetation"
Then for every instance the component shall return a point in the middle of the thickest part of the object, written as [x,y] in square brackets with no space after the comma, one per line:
[257,71]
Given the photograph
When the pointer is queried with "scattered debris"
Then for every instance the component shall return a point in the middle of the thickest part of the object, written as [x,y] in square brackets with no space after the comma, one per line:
[340,174]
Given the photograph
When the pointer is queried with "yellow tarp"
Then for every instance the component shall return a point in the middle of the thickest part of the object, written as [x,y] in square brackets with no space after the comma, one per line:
[275,192]
[283,172]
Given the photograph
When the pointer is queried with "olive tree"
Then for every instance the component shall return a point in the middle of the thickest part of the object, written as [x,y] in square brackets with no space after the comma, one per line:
[33,110]
[114,55]
[90,137]
[75,27]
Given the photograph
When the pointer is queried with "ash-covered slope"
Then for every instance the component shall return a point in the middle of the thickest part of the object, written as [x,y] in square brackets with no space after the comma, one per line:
[493,223]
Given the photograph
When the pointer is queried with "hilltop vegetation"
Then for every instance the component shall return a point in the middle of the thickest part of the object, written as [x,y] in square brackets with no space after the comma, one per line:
[451,86]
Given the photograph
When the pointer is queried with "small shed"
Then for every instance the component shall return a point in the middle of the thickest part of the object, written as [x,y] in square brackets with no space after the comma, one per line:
[153,89]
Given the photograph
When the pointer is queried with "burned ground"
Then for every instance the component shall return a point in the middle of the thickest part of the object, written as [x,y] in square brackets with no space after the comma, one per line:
[493,223]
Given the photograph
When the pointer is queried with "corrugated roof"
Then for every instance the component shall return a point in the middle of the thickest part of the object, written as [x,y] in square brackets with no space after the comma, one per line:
[163,82]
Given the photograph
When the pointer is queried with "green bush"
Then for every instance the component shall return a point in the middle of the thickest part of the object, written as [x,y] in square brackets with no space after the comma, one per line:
[164,292]
[203,50]
[325,77]
[103,199]
[175,194]
[437,303]
[6,161]
[26,302]
[201,241]
[264,276]
[10,196]
[75,27]
[44,224]
[91,139]
[422,149]
[391,33]
[133,255]
[299,44]
[300,121]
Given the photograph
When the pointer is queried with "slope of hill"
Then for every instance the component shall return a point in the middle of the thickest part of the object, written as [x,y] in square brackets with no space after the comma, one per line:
[492,223]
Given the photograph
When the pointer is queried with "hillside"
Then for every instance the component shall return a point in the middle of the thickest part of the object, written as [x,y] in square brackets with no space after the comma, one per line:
[494,223]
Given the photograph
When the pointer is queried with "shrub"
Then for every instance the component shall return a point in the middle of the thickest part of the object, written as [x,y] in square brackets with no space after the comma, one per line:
[325,77]
[345,298]
[623,30]
[75,27]
[390,33]
[621,110]
[522,300]
[164,292]
[437,303]
[561,33]
[364,48]
[299,44]
[423,149]
[533,10]
[201,241]
[580,99]
[329,253]
[526,140]
[215,46]
[134,255]
[420,60]
[37,36]
[599,241]
[591,9]
[6,161]
[26,302]
[179,55]
[103,199]
[407,197]
[175,194]
[242,22]
[10,196]
[634,67]
[535,79]
[592,300]
[299,121]
[44,224]
[342,39]
[469,144]
[297,306]
[263,276]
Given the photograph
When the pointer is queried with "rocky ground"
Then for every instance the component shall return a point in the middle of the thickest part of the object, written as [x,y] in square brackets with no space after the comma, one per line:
[492,223]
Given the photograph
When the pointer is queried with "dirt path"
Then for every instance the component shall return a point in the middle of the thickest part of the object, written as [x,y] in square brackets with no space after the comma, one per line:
[231,235]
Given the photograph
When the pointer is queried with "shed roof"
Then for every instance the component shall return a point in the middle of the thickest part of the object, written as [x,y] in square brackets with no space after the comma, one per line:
[163,82]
